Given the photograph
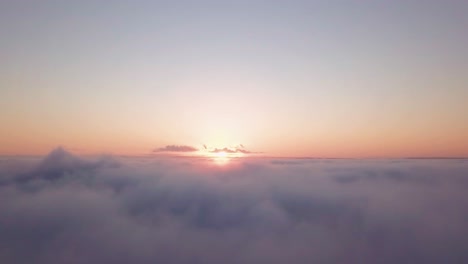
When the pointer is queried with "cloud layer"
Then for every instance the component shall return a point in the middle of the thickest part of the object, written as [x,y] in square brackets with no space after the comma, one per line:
[66,209]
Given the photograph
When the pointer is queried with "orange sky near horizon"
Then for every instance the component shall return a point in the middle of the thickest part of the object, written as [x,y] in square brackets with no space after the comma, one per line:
[337,145]
[291,78]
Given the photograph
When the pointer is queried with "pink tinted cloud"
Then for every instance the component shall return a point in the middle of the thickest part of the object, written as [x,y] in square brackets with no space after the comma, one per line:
[176,148]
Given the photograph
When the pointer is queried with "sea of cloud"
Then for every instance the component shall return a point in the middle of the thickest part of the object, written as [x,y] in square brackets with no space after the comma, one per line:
[69,209]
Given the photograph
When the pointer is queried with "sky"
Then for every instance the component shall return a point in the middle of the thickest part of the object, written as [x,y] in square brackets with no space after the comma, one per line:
[284,78]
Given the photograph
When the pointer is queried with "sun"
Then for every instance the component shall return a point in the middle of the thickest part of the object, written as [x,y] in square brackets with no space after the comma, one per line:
[221,158]
[222,154]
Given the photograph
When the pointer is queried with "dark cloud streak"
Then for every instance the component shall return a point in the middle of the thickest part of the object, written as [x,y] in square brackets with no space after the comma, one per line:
[176,148]
[237,149]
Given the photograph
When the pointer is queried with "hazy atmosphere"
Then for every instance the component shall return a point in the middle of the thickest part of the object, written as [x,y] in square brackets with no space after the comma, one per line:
[289,78]
[236,132]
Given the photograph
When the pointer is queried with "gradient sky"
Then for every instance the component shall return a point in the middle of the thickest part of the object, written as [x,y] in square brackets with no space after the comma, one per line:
[287,78]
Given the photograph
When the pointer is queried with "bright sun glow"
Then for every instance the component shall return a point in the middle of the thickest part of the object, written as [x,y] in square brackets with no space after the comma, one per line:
[222,156]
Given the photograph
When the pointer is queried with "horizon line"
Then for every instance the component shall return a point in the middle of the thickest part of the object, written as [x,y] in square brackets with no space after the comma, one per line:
[151,155]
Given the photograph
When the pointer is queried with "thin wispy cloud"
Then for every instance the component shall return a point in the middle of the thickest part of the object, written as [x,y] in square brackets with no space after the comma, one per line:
[176,148]
[237,149]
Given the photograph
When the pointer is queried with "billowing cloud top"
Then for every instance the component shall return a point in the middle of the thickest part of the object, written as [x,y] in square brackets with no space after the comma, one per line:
[68,209]
[176,148]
